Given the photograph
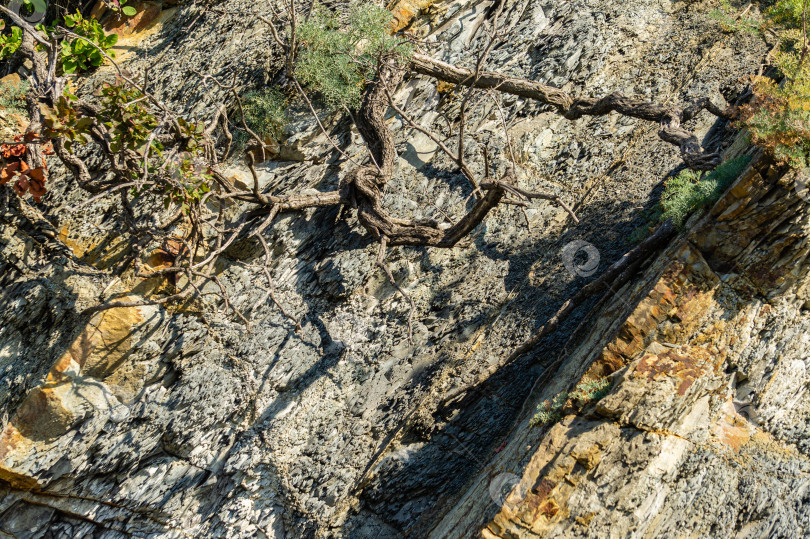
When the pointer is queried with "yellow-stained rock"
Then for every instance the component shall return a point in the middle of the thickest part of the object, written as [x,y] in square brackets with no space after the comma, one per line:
[405,11]
[89,378]
[675,398]
[146,14]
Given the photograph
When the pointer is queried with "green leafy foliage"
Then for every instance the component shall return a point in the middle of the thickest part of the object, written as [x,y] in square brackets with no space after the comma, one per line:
[651,217]
[76,54]
[79,55]
[120,5]
[191,180]
[63,121]
[585,393]
[191,177]
[12,96]
[786,12]
[128,119]
[336,59]
[778,116]
[688,192]
[10,42]
[735,19]
[130,124]
[265,115]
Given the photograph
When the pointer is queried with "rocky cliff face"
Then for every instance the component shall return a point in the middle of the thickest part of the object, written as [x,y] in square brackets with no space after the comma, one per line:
[703,428]
[180,422]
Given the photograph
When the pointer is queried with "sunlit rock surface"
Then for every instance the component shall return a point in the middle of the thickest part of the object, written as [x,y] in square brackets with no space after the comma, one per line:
[153,422]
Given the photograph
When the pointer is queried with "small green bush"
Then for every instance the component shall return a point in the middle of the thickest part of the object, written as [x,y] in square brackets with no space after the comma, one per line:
[265,114]
[688,192]
[549,412]
[336,59]
[651,219]
[12,96]
[787,13]
[778,116]
[9,43]
[78,54]
[731,21]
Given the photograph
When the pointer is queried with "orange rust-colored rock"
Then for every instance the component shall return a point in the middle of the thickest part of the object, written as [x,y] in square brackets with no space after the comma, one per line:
[731,429]
[45,414]
[684,368]
[405,11]
[101,252]
[118,23]
[671,312]
[79,383]
[539,501]
[707,297]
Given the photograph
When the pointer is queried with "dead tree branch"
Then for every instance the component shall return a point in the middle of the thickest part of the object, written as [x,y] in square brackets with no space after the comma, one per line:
[669,118]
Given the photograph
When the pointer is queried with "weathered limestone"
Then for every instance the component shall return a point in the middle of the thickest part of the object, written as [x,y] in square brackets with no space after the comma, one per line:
[88,386]
[628,468]
[192,426]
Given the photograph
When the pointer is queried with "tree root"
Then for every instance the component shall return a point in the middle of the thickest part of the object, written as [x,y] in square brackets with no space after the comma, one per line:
[669,118]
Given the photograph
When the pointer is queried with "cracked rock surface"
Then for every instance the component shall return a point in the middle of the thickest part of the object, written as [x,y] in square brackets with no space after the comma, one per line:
[152,422]
[703,429]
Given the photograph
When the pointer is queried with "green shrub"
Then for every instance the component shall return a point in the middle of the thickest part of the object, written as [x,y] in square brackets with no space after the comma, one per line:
[786,12]
[651,219]
[265,114]
[9,43]
[12,96]
[688,192]
[76,54]
[731,20]
[778,116]
[128,119]
[79,55]
[549,412]
[336,59]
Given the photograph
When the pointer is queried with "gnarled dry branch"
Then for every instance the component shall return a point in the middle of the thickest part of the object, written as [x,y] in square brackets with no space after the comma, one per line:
[668,117]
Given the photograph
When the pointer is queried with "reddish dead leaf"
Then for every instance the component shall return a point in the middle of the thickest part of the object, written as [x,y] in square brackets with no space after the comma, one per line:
[37,173]
[21,186]
[36,188]
[8,172]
